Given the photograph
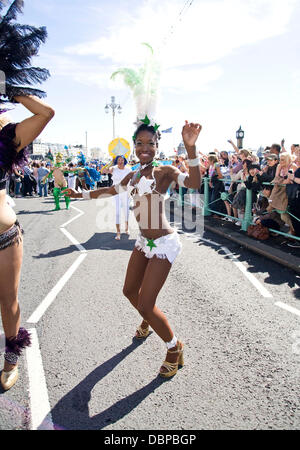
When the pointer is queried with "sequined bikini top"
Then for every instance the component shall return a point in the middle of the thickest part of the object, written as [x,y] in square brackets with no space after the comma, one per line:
[145,186]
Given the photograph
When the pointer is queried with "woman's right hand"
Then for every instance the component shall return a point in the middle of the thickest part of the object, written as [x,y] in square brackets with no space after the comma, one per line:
[71,193]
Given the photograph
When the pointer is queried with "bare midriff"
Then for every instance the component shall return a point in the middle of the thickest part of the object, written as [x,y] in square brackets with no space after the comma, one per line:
[7,214]
[149,211]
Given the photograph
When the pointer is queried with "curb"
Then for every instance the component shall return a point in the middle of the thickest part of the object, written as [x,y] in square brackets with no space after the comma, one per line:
[280,257]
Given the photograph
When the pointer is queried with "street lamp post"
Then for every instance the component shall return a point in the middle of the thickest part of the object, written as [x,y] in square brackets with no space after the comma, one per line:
[240,136]
[113,106]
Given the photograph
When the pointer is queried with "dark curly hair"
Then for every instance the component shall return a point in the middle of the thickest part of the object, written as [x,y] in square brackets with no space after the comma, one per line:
[144,127]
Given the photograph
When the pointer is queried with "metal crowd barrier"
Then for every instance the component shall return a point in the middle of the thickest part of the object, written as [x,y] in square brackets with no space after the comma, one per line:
[247,219]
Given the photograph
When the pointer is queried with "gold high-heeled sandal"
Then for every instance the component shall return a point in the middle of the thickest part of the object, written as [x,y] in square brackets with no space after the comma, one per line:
[8,379]
[142,333]
[172,368]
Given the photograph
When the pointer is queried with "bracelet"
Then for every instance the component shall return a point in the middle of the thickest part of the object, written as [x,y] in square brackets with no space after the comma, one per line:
[86,195]
[194,162]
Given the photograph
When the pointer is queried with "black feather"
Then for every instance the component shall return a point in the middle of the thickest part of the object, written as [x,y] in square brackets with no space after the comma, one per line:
[18,44]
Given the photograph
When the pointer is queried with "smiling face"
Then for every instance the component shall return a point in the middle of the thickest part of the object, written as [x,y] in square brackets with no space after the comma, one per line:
[145,146]
[120,163]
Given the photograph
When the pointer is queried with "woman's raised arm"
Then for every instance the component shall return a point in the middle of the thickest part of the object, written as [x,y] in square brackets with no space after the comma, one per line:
[30,128]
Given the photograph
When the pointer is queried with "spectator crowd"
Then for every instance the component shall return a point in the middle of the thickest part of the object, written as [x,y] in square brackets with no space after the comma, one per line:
[273,178]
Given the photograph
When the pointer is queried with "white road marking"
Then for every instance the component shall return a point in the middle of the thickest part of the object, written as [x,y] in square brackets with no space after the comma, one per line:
[73,240]
[74,218]
[48,300]
[262,290]
[39,402]
[210,242]
[288,308]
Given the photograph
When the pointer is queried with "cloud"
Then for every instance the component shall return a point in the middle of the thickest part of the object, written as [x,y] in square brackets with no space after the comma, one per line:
[191,45]
[204,33]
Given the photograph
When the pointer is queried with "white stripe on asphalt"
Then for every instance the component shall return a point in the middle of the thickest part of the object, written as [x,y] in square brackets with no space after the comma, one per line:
[44,305]
[263,291]
[73,240]
[210,242]
[39,402]
[288,308]
[74,218]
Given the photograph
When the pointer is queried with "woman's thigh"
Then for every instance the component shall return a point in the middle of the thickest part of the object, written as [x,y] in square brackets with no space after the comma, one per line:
[154,278]
[135,272]
[10,271]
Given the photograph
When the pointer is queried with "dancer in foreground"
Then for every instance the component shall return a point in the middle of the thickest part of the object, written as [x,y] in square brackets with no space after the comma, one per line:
[158,244]
[18,44]
[13,139]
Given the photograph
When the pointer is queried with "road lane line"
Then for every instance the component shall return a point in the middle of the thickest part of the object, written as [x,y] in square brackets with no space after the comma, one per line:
[262,290]
[288,308]
[73,240]
[48,300]
[74,218]
[41,418]
[210,242]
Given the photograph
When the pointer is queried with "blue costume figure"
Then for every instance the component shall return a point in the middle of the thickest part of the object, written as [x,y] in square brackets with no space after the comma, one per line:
[88,176]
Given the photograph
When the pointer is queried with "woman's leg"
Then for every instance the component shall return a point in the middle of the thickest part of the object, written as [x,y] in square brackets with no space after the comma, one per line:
[156,273]
[10,270]
[134,276]
[118,208]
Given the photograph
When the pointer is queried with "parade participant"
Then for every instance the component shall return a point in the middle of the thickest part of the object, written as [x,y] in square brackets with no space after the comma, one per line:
[158,244]
[59,181]
[87,176]
[71,177]
[18,43]
[118,172]
[13,140]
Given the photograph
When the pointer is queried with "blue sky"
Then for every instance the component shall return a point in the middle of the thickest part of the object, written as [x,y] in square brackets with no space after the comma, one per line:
[225,63]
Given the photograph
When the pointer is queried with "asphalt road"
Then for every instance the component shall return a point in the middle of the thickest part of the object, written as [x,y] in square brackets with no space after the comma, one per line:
[85,370]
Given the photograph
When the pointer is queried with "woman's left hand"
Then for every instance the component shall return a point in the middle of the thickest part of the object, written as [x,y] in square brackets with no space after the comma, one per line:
[190,133]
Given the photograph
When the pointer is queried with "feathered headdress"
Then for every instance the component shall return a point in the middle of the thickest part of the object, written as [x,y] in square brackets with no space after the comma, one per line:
[144,84]
[18,44]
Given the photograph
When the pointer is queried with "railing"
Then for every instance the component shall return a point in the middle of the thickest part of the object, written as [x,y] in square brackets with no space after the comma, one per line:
[247,219]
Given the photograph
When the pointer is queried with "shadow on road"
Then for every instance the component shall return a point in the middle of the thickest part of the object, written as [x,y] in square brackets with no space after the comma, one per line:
[276,273]
[72,411]
[23,212]
[99,241]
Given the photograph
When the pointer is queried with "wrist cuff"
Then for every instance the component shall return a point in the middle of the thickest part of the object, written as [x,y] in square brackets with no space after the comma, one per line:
[194,162]
[86,195]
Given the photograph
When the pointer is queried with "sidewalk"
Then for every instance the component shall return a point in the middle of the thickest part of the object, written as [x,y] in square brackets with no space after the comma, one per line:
[274,248]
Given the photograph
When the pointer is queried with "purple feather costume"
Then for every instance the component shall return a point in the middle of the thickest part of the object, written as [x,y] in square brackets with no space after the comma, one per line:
[9,158]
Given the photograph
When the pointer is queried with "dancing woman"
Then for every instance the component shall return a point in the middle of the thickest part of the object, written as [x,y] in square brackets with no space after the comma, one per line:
[13,140]
[158,244]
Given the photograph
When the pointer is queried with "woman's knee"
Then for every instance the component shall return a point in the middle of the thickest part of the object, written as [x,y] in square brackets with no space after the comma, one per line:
[129,292]
[145,311]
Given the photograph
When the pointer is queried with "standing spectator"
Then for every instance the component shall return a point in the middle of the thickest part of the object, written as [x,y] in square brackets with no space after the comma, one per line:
[216,186]
[294,204]
[269,171]
[279,199]
[18,181]
[34,177]
[27,181]
[275,149]
[41,173]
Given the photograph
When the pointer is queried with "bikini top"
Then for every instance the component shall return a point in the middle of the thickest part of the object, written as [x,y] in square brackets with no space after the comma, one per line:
[145,186]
